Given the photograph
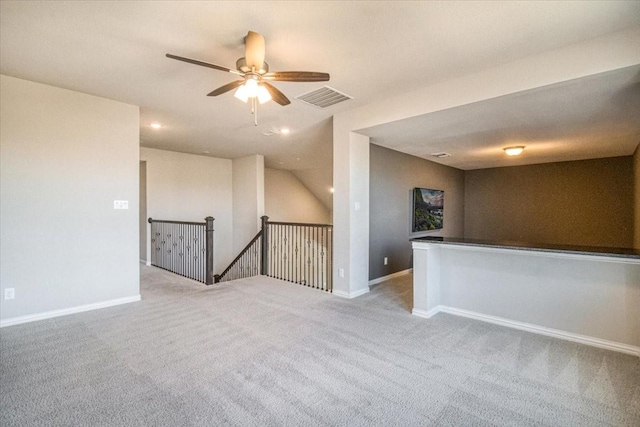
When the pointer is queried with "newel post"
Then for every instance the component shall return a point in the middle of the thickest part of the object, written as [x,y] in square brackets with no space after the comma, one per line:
[264,259]
[209,249]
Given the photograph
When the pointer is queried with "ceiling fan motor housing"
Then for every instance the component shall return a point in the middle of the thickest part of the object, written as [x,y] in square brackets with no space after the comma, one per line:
[241,65]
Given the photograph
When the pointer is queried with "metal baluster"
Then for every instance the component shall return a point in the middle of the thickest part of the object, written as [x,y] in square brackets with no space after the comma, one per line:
[318,264]
[297,273]
[313,262]
[280,252]
[190,260]
[321,284]
[289,255]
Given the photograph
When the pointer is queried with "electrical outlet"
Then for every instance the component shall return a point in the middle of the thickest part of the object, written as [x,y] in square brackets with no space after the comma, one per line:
[341,272]
[386,260]
[9,293]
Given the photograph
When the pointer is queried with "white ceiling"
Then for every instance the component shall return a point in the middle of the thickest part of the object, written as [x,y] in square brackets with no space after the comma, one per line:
[592,117]
[373,50]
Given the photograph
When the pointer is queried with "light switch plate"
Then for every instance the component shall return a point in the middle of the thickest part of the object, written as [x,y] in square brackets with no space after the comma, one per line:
[9,293]
[120,204]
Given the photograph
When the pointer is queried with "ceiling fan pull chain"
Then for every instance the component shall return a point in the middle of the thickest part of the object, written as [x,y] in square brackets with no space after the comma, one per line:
[254,110]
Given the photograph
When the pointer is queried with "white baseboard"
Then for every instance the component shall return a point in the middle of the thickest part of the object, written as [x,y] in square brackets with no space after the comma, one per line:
[528,327]
[147,263]
[350,295]
[426,314]
[66,311]
[390,276]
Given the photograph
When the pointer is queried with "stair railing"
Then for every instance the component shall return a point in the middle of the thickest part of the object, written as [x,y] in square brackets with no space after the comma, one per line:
[295,252]
[184,248]
[246,264]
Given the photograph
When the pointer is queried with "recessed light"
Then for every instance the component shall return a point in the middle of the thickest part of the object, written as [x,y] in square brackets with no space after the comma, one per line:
[155,125]
[284,131]
[206,152]
[514,151]
[331,190]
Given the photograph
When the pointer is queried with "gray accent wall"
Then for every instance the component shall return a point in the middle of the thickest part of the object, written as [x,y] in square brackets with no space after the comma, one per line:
[587,202]
[636,186]
[393,175]
[64,158]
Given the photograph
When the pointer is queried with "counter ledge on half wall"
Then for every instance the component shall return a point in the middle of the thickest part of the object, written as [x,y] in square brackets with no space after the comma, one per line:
[586,294]
[543,247]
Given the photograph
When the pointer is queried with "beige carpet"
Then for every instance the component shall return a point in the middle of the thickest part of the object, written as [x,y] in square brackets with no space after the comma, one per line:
[264,352]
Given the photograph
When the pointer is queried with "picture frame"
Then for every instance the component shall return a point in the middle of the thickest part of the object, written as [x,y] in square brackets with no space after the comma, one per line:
[428,210]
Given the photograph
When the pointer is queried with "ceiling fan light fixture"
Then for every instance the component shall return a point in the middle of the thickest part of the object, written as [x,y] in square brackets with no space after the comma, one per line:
[263,95]
[251,86]
[241,94]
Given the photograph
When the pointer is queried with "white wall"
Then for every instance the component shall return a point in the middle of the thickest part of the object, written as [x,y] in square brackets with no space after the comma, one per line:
[64,158]
[286,199]
[583,295]
[319,182]
[350,211]
[187,187]
[144,256]
[248,199]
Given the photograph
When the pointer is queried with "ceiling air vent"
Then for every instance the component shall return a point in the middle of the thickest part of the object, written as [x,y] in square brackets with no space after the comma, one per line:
[441,155]
[324,97]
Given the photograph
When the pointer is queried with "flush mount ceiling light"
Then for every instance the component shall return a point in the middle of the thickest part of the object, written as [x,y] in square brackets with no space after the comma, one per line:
[441,155]
[514,151]
[155,125]
[255,72]
[276,131]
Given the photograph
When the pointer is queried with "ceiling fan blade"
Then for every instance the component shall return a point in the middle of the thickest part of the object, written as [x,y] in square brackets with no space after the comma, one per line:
[276,94]
[203,64]
[254,50]
[226,88]
[296,76]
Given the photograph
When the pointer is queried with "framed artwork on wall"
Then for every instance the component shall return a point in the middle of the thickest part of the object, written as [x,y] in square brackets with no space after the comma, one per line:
[428,209]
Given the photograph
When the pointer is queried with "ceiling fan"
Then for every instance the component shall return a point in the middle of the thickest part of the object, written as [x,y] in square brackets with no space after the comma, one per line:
[254,84]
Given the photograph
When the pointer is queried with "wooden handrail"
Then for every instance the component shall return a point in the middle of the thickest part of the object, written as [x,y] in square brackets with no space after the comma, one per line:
[151,220]
[301,224]
[219,277]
